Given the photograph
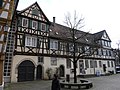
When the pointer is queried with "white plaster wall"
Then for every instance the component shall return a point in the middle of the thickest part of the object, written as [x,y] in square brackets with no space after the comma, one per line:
[100,69]
[17,59]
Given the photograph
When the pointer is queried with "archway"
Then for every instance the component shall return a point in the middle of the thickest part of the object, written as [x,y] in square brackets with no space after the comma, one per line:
[26,71]
[62,71]
[39,72]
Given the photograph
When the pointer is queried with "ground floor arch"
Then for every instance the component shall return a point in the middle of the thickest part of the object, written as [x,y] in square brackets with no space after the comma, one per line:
[26,71]
[39,72]
[62,71]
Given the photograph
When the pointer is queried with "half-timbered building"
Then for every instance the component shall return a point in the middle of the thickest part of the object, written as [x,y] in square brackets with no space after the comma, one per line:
[38,46]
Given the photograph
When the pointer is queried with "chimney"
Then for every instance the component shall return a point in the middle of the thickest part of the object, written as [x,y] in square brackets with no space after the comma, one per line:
[53,19]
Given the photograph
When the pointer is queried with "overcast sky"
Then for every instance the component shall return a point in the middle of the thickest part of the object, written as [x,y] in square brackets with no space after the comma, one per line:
[99,14]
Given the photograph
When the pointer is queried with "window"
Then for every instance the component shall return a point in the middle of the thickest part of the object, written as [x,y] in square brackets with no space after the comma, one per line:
[104,52]
[43,27]
[108,63]
[100,64]
[99,52]
[53,61]
[109,45]
[95,64]
[103,43]
[53,44]
[71,47]
[68,62]
[25,22]
[112,64]
[31,41]
[86,64]
[40,59]
[34,25]
[35,12]
[91,64]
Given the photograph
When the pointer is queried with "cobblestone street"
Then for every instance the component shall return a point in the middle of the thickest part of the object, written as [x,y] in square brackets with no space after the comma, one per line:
[99,83]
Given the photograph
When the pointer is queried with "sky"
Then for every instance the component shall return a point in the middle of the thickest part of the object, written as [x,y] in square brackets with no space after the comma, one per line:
[98,14]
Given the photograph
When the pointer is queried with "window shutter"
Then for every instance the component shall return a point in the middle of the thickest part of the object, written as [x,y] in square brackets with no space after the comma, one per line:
[38,43]
[48,43]
[30,24]
[59,45]
[39,26]
[23,40]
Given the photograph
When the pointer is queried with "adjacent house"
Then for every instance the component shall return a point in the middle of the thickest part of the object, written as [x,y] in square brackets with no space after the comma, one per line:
[37,47]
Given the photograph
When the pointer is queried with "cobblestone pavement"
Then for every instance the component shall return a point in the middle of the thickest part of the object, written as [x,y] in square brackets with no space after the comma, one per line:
[99,83]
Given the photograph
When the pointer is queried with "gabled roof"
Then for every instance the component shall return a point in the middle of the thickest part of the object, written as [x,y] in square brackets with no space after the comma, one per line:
[63,32]
[32,7]
[99,35]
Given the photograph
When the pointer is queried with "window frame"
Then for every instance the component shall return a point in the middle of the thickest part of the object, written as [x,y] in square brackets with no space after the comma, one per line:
[68,62]
[100,64]
[91,64]
[53,44]
[34,27]
[26,21]
[40,59]
[43,24]
[86,63]
[108,63]
[30,41]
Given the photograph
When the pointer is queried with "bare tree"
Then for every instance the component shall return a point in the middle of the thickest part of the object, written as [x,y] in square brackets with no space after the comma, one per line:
[75,25]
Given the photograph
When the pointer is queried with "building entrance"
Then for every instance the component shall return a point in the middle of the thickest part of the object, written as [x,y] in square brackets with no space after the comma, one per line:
[26,71]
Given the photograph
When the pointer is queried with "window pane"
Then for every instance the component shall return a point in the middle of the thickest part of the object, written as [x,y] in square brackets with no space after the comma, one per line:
[108,63]
[40,59]
[100,64]
[91,64]
[86,64]
[35,12]
[53,44]
[25,22]
[111,63]
[43,27]
[31,41]
[68,62]
[34,24]
[95,64]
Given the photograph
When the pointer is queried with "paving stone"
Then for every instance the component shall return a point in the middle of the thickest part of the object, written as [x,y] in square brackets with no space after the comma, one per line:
[111,82]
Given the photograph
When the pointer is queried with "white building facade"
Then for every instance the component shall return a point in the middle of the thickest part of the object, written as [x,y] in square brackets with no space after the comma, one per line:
[41,48]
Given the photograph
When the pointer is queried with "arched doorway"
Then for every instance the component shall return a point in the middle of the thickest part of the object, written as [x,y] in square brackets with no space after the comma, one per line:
[26,71]
[62,71]
[39,72]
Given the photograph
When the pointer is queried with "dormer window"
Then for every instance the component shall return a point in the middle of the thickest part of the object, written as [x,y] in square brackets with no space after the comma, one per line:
[43,27]
[25,22]
[34,24]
